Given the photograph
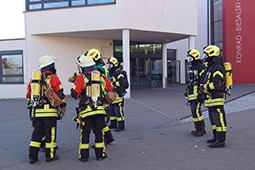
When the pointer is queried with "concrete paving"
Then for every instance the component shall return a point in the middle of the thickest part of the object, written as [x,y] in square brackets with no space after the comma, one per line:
[157,135]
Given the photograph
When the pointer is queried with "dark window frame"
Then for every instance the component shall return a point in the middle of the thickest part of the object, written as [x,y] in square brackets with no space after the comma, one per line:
[42,2]
[11,52]
[212,25]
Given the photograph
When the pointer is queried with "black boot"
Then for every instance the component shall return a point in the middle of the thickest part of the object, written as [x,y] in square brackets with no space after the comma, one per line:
[52,159]
[198,133]
[217,144]
[121,126]
[214,137]
[108,137]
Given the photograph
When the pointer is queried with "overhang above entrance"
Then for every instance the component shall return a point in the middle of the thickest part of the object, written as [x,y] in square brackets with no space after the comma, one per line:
[135,35]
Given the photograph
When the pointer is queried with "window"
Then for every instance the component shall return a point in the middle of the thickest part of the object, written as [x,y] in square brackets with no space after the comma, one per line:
[216,23]
[99,1]
[53,4]
[11,71]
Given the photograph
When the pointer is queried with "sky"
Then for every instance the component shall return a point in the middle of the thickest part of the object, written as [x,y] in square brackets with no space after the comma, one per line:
[12,24]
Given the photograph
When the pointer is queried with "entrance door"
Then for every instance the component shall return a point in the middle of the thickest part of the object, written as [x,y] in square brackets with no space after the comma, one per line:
[173,71]
[139,72]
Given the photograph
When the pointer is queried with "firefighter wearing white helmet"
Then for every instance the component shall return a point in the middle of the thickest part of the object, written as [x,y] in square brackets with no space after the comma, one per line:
[214,90]
[90,87]
[101,67]
[44,110]
[197,71]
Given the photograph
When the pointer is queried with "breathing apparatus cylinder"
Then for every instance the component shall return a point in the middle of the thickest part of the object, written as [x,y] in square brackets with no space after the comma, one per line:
[229,81]
[36,85]
[95,86]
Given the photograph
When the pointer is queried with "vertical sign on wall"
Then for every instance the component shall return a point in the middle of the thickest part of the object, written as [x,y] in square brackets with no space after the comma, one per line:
[238,39]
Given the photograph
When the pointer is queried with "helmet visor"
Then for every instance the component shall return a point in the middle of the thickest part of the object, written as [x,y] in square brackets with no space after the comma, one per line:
[205,57]
[109,66]
[190,59]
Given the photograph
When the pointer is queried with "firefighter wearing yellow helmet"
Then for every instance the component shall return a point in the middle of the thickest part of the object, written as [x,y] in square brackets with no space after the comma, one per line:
[197,71]
[45,112]
[120,82]
[214,90]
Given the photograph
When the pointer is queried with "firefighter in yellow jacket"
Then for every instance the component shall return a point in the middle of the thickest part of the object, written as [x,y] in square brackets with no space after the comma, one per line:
[45,114]
[214,90]
[197,71]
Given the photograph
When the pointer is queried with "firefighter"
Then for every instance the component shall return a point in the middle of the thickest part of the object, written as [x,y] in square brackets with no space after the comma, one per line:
[100,65]
[197,71]
[91,112]
[119,80]
[214,90]
[44,114]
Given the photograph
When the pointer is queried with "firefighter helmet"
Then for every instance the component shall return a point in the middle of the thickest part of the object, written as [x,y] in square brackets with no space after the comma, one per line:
[211,51]
[193,54]
[94,53]
[86,61]
[47,60]
[112,64]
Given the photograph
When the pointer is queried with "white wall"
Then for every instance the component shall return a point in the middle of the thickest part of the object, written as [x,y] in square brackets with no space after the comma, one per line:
[14,90]
[66,50]
[182,46]
[151,15]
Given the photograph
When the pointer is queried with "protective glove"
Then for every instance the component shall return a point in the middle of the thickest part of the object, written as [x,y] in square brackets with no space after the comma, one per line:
[62,112]
[200,98]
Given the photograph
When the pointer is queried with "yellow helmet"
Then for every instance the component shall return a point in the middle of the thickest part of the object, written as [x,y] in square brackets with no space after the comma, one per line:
[94,53]
[113,60]
[79,58]
[112,64]
[194,53]
[212,50]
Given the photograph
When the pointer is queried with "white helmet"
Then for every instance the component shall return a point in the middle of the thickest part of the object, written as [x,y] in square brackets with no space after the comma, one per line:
[86,61]
[47,60]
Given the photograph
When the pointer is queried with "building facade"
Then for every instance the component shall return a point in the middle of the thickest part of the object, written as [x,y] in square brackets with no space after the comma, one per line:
[68,28]
[150,37]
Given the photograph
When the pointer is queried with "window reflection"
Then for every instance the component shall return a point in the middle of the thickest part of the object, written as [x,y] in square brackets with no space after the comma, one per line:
[78,2]
[55,5]
[99,1]
[11,64]
[47,4]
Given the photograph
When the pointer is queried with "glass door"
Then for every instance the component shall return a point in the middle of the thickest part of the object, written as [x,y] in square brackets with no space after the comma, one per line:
[173,71]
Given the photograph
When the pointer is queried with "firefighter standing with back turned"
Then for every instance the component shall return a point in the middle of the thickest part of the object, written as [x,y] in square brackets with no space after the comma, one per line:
[95,54]
[45,115]
[119,80]
[214,90]
[196,78]
[91,106]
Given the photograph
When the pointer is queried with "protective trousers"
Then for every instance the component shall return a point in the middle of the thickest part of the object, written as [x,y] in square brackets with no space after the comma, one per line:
[108,134]
[94,122]
[218,121]
[47,127]
[195,107]
[117,115]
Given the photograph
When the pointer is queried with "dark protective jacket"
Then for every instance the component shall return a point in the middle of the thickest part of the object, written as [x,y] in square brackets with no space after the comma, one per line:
[197,74]
[119,80]
[80,90]
[45,109]
[215,84]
